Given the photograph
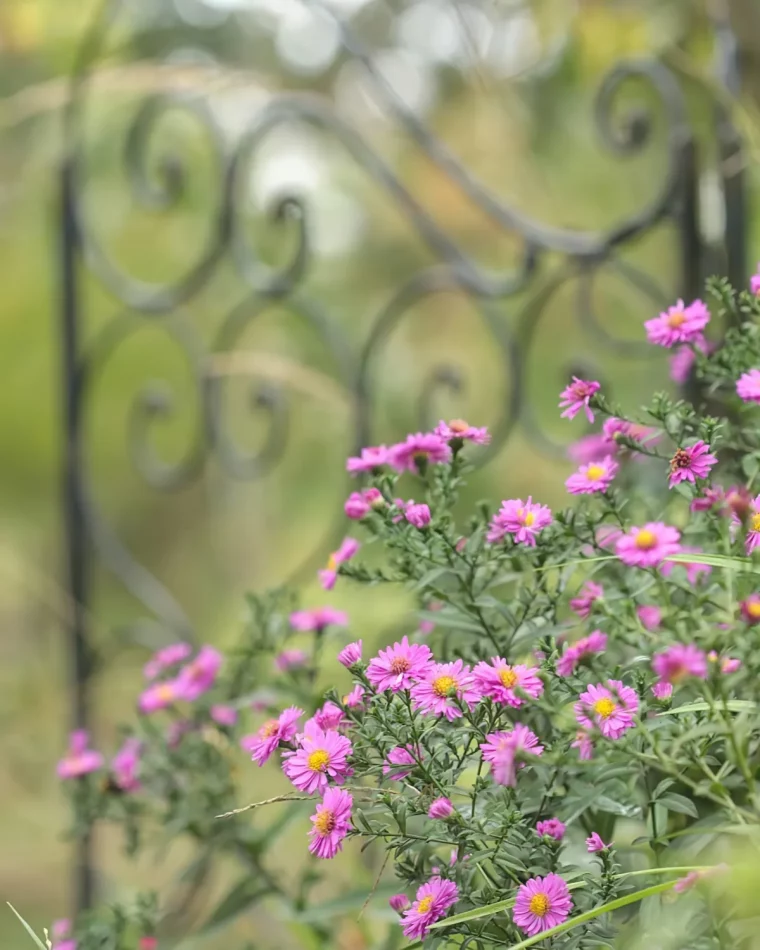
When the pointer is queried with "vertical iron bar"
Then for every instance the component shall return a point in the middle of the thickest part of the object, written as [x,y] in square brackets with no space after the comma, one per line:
[76,546]
[689,225]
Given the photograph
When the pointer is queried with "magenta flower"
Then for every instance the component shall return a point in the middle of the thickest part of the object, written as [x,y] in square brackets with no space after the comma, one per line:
[126,764]
[693,568]
[262,744]
[522,519]
[432,901]
[199,675]
[417,451]
[371,459]
[713,498]
[399,903]
[79,759]
[61,928]
[679,661]
[329,575]
[159,696]
[330,716]
[684,358]
[748,386]
[458,431]
[505,683]
[506,751]
[649,616]
[589,448]
[418,515]
[315,620]
[441,808]
[320,757]
[594,843]
[589,594]
[583,744]
[351,655]
[290,659]
[691,463]
[648,546]
[224,715]
[167,656]
[552,828]
[750,609]
[331,822]
[357,506]
[595,642]
[679,324]
[399,666]
[727,664]
[662,690]
[542,903]
[443,687]
[611,708]
[594,477]
[753,525]
[355,698]
[576,397]
[399,755]
[613,428]
[607,536]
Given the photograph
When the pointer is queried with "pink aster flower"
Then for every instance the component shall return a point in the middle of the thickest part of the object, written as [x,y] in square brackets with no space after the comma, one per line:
[329,575]
[727,664]
[432,901]
[576,397]
[224,715]
[648,546]
[418,515]
[371,459]
[594,843]
[712,499]
[355,698]
[583,744]
[399,755]
[79,759]
[589,594]
[522,519]
[507,751]
[679,661]
[614,428]
[167,656]
[399,666]
[290,659]
[417,451]
[399,903]
[552,828]
[199,675]
[507,684]
[61,928]
[748,386]
[357,506]
[691,463]
[126,764]
[595,642]
[441,808]
[458,431]
[262,744]
[147,943]
[330,716]
[316,619]
[351,655]
[610,709]
[662,690]
[542,903]
[69,944]
[442,687]
[679,324]
[159,696]
[649,616]
[331,822]
[589,448]
[753,525]
[594,477]
[321,756]
[750,609]
[693,568]
[684,358]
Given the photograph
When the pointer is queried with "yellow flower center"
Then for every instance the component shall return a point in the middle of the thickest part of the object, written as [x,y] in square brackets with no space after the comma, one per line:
[444,685]
[539,905]
[165,692]
[529,519]
[676,319]
[508,677]
[604,708]
[459,426]
[318,760]
[424,905]
[269,728]
[332,562]
[324,822]
[753,609]
[400,665]
[646,539]
[756,522]
[594,472]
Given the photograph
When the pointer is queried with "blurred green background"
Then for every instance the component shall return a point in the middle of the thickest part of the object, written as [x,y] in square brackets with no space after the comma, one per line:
[509,87]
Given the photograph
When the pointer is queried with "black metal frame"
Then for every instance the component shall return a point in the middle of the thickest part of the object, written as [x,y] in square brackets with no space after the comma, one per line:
[583,252]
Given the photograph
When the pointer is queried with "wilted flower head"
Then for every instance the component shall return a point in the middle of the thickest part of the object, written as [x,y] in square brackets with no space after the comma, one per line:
[432,901]
[417,451]
[576,396]
[691,463]
[329,574]
[316,619]
[522,519]
[542,903]
[79,759]
[679,324]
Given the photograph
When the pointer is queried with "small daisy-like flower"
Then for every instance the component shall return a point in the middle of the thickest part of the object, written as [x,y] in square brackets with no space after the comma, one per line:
[610,709]
[691,463]
[355,698]
[458,431]
[442,687]
[399,903]
[542,903]
[727,664]
[750,609]
[159,696]
[199,675]
[589,448]
[551,828]
[351,655]
[315,620]
[614,429]
[506,752]
[679,324]
[680,661]
[418,515]
[262,744]
[648,546]
[398,756]
[290,659]
[371,459]
[441,808]
[748,386]
[224,715]
[329,575]
[321,757]
[583,744]
[172,655]
[576,396]
[126,765]
[594,843]
[649,616]
[753,525]
[331,822]
[432,901]
[507,684]
[589,594]
[399,666]
[594,477]
[330,716]
[79,759]
[417,451]
[662,690]
[522,519]
[713,499]
[595,642]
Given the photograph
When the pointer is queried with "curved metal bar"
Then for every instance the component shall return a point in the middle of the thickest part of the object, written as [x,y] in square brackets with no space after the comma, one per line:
[589,321]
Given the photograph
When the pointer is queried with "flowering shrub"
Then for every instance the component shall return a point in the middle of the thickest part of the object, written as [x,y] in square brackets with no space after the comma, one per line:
[571,730]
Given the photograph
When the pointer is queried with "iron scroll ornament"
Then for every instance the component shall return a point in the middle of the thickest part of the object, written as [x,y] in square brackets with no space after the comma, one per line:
[158,187]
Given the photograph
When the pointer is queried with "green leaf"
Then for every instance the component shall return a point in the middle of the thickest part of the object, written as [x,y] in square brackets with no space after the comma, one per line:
[348,904]
[241,896]
[450,619]
[427,579]
[679,803]
[733,705]
[28,929]
[744,565]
